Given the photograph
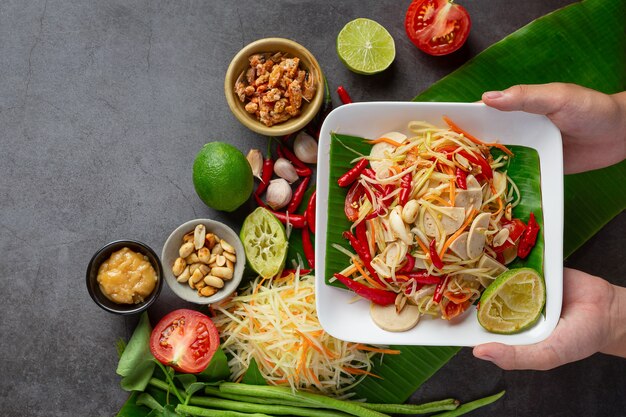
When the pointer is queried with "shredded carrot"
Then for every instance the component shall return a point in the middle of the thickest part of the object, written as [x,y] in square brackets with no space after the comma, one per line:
[457,233]
[421,245]
[452,187]
[402,277]
[369,279]
[323,350]
[317,381]
[356,371]
[457,129]
[439,199]
[383,139]
[361,346]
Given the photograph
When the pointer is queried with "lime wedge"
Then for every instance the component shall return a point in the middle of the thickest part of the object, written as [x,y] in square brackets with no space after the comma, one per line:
[265,242]
[513,302]
[365,47]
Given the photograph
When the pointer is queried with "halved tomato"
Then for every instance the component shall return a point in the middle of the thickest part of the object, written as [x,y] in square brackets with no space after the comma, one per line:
[185,340]
[437,27]
[351,205]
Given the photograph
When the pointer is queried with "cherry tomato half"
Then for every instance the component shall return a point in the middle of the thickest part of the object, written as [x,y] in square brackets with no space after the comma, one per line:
[437,27]
[351,205]
[516,228]
[185,340]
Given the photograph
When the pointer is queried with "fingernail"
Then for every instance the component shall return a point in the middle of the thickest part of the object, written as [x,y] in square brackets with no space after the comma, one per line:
[485,357]
[492,95]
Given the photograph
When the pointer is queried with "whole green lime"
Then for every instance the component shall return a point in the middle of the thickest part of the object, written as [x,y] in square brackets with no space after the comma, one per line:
[222,176]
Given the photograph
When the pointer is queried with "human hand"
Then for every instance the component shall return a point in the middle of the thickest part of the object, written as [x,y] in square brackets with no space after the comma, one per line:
[593,124]
[592,320]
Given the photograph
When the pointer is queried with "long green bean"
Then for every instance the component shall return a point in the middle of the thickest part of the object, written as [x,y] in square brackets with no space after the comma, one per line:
[215,392]
[431,407]
[207,412]
[286,393]
[272,409]
[472,405]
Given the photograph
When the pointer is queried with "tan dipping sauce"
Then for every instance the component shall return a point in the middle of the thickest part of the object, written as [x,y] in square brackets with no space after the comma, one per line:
[127,277]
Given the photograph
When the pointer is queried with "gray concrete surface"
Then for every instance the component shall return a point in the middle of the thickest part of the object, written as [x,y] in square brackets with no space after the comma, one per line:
[103,105]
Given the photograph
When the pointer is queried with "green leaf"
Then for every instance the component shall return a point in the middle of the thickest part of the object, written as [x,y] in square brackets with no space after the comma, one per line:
[186,379]
[253,376]
[218,369]
[132,409]
[149,401]
[136,364]
[138,347]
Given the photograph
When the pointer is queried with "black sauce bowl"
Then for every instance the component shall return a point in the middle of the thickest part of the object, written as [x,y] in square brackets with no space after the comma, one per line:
[102,255]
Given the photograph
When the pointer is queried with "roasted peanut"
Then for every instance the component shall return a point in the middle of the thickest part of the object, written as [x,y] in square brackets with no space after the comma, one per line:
[222,272]
[204,255]
[199,234]
[230,256]
[230,264]
[197,276]
[214,281]
[179,266]
[220,260]
[192,259]
[211,240]
[227,246]
[208,291]
[184,276]
[185,250]
[217,249]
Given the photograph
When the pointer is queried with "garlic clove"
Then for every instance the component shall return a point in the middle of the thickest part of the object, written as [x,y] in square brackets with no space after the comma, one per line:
[255,159]
[278,193]
[305,148]
[284,169]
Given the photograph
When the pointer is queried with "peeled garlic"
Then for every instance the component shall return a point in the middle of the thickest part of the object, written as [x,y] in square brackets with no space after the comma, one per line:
[255,159]
[284,169]
[305,148]
[278,193]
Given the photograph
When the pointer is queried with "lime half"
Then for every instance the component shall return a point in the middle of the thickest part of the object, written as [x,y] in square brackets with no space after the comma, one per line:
[365,47]
[265,242]
[513,302]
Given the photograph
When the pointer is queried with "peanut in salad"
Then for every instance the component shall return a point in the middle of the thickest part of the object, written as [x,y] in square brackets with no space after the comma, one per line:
[274,86]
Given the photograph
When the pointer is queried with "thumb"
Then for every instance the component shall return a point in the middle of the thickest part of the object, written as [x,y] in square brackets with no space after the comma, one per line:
[539,356]
[539,99]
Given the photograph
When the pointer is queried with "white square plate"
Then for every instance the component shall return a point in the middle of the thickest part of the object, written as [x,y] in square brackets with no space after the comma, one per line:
[351,321]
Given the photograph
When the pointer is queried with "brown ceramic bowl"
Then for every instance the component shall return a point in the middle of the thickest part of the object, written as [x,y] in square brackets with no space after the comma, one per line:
[240,63]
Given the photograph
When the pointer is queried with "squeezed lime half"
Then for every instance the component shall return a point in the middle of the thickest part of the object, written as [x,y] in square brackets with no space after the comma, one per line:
[365,47]
[513,301]
[265,242]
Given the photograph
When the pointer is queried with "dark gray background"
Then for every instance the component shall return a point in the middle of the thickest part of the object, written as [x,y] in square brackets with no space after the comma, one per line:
[103,105]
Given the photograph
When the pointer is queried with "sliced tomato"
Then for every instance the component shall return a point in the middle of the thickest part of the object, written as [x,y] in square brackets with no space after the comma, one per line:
[451,310]
[516,228]
[185,340]
[437,27]
[352,203]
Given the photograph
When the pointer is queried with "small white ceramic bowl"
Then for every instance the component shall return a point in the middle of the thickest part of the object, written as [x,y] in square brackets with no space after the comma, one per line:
[170,253]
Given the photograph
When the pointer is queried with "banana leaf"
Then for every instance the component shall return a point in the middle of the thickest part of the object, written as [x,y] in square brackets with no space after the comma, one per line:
[584,43]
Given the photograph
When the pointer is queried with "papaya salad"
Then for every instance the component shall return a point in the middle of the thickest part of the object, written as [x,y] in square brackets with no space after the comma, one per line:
[432,223]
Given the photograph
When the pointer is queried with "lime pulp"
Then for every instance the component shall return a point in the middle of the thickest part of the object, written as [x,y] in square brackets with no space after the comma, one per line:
[365,47]
[265,242]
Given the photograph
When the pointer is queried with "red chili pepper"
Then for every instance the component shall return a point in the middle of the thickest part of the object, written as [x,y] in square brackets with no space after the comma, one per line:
[266,175]
[485,168]
[434,256]
[343,95]
[439,289]
[368,172]
[423,278]
[297,196]
[528,238]
[405,185]
[361,236]
[259,201]
[293,271]
[408,266]
[310,212]
[461,178]
[363,253]
[297,220]
[380,297]
[293,158]
[309,252]
[353,173]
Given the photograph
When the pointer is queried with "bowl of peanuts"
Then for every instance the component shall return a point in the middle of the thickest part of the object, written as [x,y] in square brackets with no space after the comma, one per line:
[203,261]
[274,86]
